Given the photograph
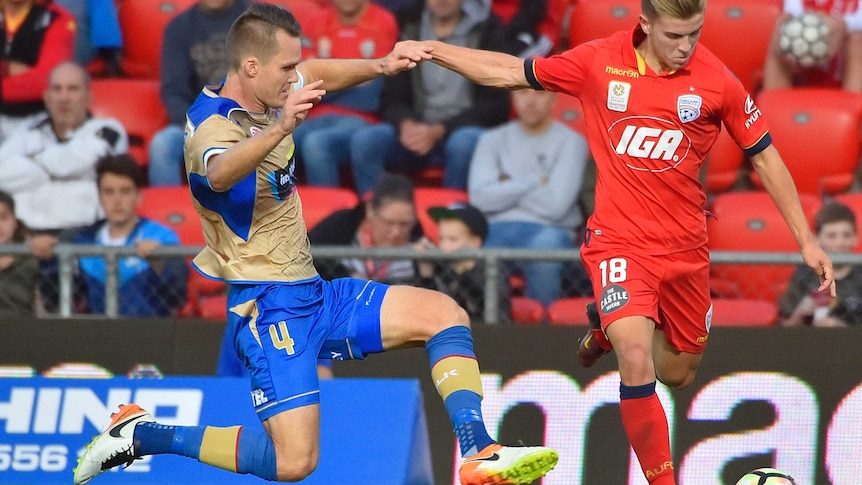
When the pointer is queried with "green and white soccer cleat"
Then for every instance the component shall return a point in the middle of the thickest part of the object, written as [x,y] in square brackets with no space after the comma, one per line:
[507,465]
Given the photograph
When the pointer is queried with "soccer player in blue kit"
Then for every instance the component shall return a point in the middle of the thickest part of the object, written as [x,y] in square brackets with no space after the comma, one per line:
[281,313]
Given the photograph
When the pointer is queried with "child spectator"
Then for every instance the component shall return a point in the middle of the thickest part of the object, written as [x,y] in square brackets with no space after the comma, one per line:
[462,226]
[149,286]
[802,304]
[18,274]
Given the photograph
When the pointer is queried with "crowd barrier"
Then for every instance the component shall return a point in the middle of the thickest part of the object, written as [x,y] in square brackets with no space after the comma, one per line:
[790,398]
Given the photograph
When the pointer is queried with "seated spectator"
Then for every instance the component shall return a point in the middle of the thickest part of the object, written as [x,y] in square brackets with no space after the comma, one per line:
[802,304]
[433,117]
[48,165]
[35,38]
[462,226]
[149,285]
[522,23]
[195,59]
[350,29]
[845,49]
[387,219]
[526,178]
[18,274]
[97,33]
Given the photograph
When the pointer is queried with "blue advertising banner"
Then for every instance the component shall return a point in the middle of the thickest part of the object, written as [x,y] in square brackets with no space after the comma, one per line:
[373,431]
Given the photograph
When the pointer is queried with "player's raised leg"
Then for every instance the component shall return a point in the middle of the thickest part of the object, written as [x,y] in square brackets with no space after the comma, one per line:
[411,317]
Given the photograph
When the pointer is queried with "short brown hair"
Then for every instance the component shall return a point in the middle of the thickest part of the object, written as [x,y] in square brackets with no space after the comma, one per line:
[253,32]
[679,9]
[123,165]
[832,212]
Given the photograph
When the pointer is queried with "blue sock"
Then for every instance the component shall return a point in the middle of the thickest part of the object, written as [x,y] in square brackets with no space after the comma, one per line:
[156,439]
[453,350]
[256,454]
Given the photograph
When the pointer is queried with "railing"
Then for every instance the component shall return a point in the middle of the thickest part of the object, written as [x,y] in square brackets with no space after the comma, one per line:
[68,254]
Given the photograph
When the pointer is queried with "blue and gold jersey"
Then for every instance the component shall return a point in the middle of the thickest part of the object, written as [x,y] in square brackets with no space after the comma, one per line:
[254,231]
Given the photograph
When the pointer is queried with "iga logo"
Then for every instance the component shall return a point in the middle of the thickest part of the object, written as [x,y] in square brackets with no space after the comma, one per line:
[651,144]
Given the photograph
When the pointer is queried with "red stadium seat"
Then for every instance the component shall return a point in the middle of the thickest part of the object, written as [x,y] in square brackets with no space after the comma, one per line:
[527,311]
[750,222]
[569,111]
[427,197]
[722,166]
[142,23]
[213,308]
[739,32]
[817,132]
[172,206]
[136,104]
[596,19]
[569,311]
[320,202]
[729,312]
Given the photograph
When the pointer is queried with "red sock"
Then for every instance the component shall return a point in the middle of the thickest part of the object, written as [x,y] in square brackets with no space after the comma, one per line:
[646,426]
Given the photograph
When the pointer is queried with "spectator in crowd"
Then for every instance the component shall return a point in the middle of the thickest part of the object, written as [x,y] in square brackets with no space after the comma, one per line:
[97,34]
[802,304]
[48,165]
[18,274]
[845,49]
[526,176]
[149,286]
[462,226]
[193,56]
[35,38]
[433,116]
[522,26]
[387,219]
[349,29]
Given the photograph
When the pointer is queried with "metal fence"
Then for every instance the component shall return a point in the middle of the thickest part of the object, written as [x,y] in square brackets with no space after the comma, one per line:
[748,272]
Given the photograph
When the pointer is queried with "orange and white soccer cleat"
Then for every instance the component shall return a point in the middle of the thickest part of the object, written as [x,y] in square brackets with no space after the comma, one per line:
[113,447]
[507,465]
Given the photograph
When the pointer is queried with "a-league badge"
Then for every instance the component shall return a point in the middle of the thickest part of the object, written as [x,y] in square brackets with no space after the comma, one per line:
[688,107]
[366,48]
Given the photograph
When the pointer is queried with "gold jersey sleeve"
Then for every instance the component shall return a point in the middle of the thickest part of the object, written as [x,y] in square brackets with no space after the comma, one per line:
[254,231]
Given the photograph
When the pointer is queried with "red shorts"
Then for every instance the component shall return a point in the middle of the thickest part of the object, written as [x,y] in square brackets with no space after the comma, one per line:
[671,289]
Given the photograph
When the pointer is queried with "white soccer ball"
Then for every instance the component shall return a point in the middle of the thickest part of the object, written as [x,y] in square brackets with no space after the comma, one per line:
[804,40]
[766,476]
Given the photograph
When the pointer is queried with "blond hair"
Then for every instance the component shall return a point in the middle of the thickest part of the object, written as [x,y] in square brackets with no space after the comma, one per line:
[679,9]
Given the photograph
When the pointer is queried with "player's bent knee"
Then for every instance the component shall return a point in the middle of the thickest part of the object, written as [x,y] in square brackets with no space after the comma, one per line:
[295,469]
[677,379]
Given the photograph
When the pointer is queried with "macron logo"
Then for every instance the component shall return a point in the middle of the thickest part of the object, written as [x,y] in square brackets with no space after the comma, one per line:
[749,105]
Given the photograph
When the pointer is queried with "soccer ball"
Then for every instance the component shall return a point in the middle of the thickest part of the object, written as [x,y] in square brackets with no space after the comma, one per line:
[766,476]
[804,40]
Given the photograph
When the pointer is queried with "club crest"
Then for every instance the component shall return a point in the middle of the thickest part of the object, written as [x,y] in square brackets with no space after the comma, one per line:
[688,107]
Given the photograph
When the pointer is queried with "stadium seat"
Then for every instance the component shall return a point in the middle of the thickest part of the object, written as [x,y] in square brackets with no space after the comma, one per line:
[750,222]
[739,32]
[320,202]
[427,197]
[172,206]
[568,110]
[527,311]
[817,132]
[142,23]
[213,308]
[595,19]
[569,311]
[732,312]
[136,104]
[723,164]
[854,202]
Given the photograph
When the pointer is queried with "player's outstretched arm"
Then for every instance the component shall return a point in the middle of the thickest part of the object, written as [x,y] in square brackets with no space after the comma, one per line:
[344,73]
[486,68]
[779,184]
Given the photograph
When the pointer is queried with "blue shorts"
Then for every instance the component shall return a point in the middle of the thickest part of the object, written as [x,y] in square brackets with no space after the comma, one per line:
[280,329]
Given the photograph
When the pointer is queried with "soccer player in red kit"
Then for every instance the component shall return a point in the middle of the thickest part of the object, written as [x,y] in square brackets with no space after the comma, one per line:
[653,103]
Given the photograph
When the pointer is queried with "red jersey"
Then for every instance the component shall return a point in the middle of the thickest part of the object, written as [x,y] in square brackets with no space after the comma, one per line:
[373,36]
[649,135]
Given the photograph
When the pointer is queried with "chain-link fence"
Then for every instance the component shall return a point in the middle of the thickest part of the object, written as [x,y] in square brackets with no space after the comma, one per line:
[484,281]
